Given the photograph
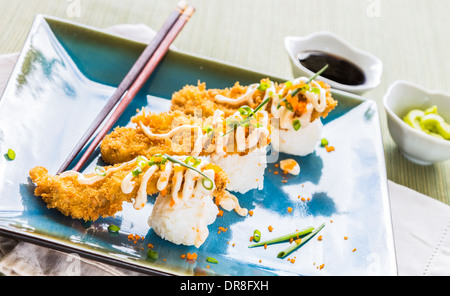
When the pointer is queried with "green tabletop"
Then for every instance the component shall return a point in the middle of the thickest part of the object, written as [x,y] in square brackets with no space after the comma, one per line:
[411,38]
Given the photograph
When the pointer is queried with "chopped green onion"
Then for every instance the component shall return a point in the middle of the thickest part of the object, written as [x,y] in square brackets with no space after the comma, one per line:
[315,90]
[245,110]
[113,228]
[297,244]
[287,105]
[141,161]
[246,120]
[154,161]
[208,129]
[263,86]
[296,124]
[211,260]
[284,237]
[100,171]
[288,83]
[207,187]
[152,254]
[136,171]
[256,235]
[323,142]
[11,154]
[174,160]
[196,160]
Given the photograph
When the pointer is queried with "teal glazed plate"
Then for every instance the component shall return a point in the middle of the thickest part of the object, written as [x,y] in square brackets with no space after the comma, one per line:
[63,77]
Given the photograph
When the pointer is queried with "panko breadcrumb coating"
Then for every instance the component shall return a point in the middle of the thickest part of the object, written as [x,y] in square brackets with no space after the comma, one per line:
[125,143]
[191,98]
[105,197]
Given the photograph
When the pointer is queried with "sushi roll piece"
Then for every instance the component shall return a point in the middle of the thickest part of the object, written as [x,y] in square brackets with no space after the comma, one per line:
[190,191]
[299,106]
[236,143]
[184,222]
[295,108]
[102,193]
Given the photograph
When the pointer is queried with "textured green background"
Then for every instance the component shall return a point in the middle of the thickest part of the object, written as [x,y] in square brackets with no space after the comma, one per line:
[411,37]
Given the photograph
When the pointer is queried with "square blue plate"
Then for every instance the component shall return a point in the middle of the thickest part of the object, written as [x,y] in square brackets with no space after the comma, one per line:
[66,73]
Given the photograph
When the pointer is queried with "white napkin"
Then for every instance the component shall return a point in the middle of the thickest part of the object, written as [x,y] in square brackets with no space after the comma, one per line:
[421,224]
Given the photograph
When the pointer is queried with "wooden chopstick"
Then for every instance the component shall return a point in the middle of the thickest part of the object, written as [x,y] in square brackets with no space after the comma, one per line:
[125,84]
[138,83]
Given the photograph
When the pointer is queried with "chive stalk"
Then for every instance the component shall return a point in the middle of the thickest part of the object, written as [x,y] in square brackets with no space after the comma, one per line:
[310,80]
[297,243]
[283,238]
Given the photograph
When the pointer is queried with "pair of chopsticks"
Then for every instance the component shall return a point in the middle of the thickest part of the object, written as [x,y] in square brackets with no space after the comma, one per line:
[131,84]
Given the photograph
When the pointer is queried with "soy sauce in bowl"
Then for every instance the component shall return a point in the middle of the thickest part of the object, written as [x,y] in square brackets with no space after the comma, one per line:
[339,69]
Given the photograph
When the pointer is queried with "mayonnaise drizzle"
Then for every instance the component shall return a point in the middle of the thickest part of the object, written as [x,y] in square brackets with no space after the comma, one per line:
[248,96]
[185,182]
[316,102]
[222,140]
[82,179]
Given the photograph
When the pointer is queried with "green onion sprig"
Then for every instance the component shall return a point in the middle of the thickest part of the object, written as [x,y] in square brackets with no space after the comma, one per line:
[307,82]
[174,160]
[310,79]
[296,244]
[283,238]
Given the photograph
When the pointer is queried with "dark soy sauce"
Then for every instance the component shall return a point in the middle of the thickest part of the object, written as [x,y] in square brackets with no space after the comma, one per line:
[339,69]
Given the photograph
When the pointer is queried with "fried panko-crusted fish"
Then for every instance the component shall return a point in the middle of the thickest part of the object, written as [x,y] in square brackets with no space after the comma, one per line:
[176,133]
[126,143]
[295,107]
[102,194]
[295,95]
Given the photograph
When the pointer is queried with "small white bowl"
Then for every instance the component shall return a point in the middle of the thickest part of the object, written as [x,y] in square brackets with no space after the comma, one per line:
[415,145]
[330,43]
